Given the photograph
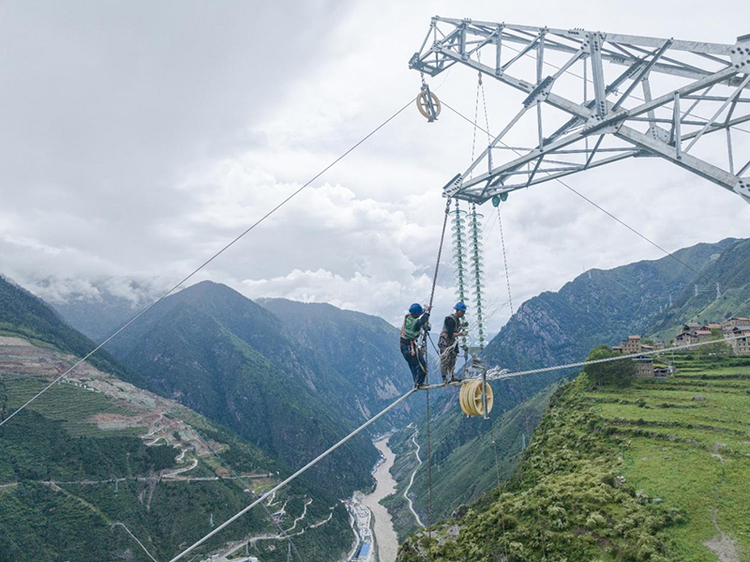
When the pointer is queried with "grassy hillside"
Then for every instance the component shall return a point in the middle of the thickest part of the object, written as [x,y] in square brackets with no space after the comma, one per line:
[654,472]
[730,271]
[463,469]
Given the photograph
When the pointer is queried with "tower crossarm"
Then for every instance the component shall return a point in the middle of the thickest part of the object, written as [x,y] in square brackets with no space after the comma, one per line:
[588,98]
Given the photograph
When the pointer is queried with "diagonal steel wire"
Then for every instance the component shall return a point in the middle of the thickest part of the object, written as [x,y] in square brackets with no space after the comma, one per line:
[209,260]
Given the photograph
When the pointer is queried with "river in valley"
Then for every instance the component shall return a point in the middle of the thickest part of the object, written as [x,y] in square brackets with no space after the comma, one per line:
[385,534]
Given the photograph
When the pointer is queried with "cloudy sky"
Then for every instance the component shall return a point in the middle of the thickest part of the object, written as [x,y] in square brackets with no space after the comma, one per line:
[137,138]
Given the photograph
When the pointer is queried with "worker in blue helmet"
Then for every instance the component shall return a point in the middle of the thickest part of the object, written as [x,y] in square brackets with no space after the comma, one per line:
[448,342]
[417,320]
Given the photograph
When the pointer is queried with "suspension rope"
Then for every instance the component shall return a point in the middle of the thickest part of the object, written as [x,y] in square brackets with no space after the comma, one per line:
[211,259]
[249,488]
[294,476]
[505,261]
[427,393]
[440,249]
[500,375]
[429,469]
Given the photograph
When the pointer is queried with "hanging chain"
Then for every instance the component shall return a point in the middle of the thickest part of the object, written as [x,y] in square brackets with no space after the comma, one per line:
[429,472]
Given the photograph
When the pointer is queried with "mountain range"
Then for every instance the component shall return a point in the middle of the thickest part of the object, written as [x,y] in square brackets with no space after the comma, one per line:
[236,363]
[553,328]
[284,380]
[99,469]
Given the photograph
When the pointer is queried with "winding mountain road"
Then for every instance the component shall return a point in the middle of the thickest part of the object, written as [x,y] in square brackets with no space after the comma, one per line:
[411,480]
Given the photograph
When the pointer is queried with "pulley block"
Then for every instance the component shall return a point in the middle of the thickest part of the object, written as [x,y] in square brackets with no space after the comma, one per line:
[429,105]
[472,400]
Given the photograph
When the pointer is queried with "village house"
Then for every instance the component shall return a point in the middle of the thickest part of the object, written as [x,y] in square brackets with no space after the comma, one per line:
[692,333]
[734,327]
[736,322]
[686,338]
[632,345]
[644,367]
[739,346]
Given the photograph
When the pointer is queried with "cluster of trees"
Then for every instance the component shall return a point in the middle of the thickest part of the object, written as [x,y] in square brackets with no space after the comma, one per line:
[618,373]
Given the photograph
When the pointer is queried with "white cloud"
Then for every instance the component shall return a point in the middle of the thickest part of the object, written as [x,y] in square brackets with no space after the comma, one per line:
[144,167]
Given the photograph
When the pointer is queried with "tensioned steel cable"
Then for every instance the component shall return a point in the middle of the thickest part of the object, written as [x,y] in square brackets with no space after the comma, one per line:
[299,472]
[582,196]
[209,260]
[247,487]
[494,375]
[501,375]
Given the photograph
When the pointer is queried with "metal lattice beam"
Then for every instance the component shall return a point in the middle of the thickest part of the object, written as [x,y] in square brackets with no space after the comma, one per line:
[631,97]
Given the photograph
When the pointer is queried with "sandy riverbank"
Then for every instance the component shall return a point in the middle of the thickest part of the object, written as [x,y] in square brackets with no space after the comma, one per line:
[385,534]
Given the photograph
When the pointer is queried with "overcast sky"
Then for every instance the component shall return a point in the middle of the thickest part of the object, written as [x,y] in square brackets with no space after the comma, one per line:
[139,137]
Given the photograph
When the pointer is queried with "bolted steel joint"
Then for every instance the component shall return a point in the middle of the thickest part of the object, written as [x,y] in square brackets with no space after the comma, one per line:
[743,188]
[740,54]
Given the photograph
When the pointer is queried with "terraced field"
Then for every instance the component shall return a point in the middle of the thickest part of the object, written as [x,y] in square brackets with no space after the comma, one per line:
[689,447]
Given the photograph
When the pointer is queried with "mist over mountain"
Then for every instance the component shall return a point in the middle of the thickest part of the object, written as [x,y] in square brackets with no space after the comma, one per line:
[97,307]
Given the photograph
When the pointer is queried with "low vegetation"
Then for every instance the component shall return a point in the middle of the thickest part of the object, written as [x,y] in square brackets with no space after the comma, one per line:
[656,471]
[616,373]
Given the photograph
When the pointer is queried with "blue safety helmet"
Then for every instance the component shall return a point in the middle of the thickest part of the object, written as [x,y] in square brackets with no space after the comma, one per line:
[460,305]
[416,309]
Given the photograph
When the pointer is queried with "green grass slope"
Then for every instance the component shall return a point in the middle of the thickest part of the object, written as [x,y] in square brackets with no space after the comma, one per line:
[463,469]
[654,472]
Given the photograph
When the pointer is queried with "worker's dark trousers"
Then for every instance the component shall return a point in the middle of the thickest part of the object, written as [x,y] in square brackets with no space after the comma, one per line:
[416,362]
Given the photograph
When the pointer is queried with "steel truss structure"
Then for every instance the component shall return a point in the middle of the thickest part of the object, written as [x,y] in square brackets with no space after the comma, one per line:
[684,101]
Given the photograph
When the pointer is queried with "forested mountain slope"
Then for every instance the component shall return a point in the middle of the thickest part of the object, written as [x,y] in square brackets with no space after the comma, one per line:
[26,315]
[234,362]
[730,274]
[599,306]
[96,458]
[361,348]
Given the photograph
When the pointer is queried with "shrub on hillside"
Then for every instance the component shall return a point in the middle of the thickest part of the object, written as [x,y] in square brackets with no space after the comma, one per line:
[619,373]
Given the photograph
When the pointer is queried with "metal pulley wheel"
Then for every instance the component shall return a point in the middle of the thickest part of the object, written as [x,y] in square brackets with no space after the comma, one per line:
[428,104]
[471,399]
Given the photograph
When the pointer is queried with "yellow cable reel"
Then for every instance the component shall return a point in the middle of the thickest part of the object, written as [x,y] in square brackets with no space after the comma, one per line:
[471,399]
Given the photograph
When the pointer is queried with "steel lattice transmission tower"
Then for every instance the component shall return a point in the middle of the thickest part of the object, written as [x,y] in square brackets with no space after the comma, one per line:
[597,98]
